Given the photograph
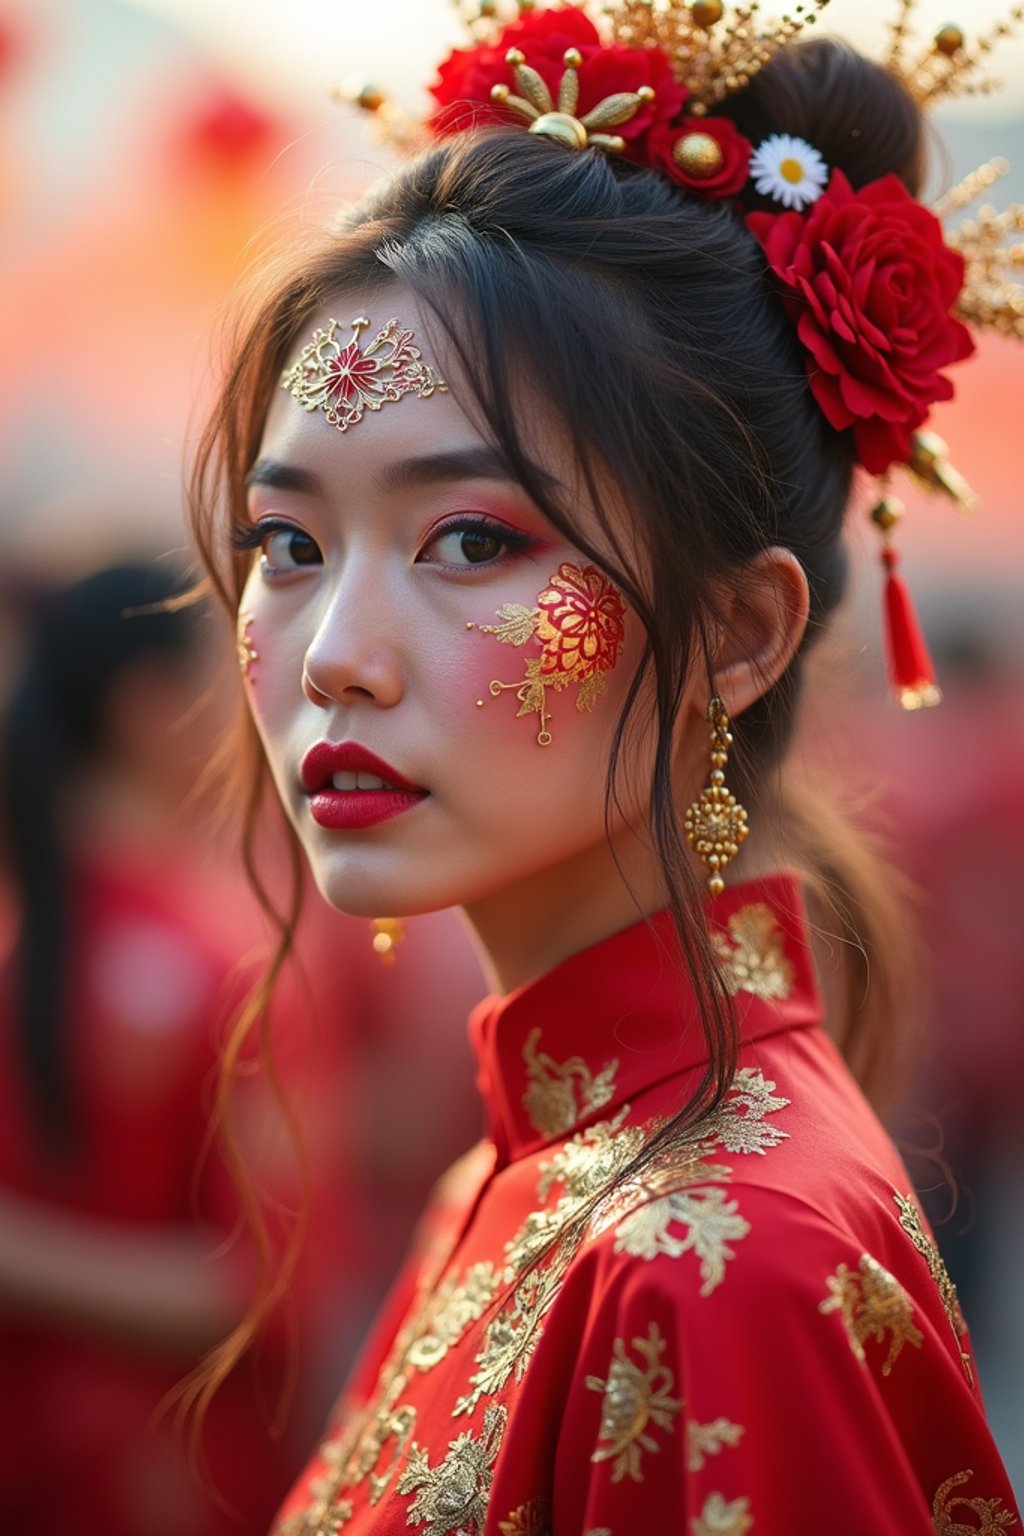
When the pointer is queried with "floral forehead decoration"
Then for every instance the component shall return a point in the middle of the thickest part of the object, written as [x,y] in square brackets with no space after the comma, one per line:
[880,295]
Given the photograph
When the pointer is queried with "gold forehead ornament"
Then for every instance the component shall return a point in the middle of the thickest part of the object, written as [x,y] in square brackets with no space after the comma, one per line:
[344,380]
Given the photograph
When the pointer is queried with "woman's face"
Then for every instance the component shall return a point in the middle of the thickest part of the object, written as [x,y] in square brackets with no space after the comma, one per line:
[384,553]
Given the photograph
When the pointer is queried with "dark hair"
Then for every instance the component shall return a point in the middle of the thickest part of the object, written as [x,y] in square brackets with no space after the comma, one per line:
[80,640]
[645,320]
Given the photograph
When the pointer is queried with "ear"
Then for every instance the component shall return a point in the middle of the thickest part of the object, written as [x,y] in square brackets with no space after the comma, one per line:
[764,621]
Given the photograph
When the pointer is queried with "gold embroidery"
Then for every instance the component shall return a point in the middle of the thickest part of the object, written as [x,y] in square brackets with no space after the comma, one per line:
[584,1166]
[453,1495]
[713,1223]
[450,1313]
[579,624]
[643,1209]
[531,1519]
[633,1398]
[718,1518]
[561,1094]
[990,1511]
[703,1440]
[512,1336]
[872,1303]
[913,1226]
[755,961]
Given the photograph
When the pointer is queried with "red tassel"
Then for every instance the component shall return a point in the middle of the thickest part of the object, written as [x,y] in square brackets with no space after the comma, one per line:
[911,670]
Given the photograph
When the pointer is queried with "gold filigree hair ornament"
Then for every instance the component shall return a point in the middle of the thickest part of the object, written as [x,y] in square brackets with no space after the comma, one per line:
[344,380]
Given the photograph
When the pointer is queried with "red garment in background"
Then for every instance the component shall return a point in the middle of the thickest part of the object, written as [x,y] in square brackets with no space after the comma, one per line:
[756,1334]
[153,975]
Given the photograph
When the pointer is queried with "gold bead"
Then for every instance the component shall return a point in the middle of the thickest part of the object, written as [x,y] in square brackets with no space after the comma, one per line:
[949,40]
[371,98]
[698,155]
[716,885]
[706,12]
[500,93]
[887,513]
[572,58]
[561,126]
[646,92]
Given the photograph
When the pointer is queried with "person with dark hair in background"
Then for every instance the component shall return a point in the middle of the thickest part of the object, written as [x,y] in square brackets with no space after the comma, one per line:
[119,965]
[526,492]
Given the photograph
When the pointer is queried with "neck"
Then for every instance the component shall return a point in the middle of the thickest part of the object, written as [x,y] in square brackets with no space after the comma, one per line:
[523,930]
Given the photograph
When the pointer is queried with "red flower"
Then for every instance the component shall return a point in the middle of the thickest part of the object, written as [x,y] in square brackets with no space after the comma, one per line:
[463,87]
[725,181]
[871,285]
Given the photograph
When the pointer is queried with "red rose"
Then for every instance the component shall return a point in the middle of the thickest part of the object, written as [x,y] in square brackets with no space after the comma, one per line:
[463,87]
[725,181]
[871,288]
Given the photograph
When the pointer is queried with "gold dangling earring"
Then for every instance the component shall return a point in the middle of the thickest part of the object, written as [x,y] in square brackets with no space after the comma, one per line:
[716,824]
[388,933]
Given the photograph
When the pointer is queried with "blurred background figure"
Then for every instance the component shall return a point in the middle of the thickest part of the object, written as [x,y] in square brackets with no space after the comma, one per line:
[122,931]
[121,959]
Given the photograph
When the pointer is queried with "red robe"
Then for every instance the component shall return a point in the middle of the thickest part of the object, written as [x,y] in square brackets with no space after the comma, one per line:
[753,1334]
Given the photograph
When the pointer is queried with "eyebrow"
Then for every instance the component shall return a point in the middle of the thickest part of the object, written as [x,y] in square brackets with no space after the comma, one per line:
[481,462]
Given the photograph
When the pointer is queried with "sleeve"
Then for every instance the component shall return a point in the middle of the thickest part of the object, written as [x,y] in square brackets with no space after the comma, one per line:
[769,1379]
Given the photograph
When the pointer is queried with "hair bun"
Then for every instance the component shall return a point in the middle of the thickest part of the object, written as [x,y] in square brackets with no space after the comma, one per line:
[861,119]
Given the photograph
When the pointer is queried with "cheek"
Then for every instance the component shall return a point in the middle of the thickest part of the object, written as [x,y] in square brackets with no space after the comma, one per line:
[564,646]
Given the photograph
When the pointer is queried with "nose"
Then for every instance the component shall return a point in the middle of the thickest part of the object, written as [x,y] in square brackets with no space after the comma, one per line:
[354,654]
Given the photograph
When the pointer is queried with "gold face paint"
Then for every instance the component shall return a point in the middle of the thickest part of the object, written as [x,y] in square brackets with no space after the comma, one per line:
[344,380]
[247,652]
[579,625]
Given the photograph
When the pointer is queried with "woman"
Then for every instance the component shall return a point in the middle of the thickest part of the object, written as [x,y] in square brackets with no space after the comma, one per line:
[524,593]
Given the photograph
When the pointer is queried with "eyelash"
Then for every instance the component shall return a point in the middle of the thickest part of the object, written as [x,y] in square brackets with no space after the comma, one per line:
[248,537]
[516,542]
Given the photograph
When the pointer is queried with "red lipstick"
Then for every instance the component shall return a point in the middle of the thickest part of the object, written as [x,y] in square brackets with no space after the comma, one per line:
[346,806]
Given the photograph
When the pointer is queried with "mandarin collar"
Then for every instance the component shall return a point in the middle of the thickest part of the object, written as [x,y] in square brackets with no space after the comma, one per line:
[621,1016]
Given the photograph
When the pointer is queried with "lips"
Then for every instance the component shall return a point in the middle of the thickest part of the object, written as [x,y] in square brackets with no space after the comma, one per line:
[351,788]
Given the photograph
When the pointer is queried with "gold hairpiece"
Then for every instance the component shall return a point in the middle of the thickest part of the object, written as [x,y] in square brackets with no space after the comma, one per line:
[558,121]
[950,64]
[345,380]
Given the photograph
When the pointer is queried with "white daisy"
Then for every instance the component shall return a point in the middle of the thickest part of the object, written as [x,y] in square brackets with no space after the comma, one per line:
[788,169]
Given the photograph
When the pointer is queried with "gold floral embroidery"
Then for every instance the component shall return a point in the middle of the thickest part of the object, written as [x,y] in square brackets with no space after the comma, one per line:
[991,1513]
[755,961]
[530,1519]
[712,1220]
[512,1336]
[718,1518]
[703,1440]
[913,1226]
[453,1495]
[872,1303]
[560,1094]
[579,623]
[643,1209]
[453,1308]
[584,1167]
[634,1397]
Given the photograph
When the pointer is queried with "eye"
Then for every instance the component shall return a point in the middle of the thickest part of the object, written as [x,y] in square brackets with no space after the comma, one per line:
[473,542]
[287,548]
[283,547]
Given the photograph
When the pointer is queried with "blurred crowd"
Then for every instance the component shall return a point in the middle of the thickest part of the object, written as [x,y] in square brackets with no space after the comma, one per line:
[129,935]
